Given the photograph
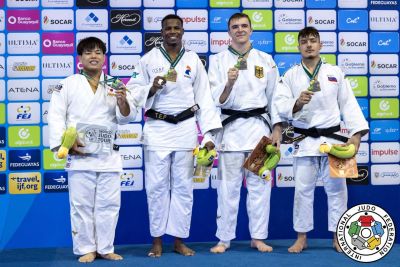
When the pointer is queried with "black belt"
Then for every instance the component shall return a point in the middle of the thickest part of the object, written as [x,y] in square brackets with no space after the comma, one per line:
[317,132]
[184,115]
[236,114]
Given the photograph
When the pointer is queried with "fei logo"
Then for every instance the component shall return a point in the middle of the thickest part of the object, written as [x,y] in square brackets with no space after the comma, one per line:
[132,180]
[359,85]
[219,18]
[23,113]
[353,20]
[384,42]
[366,233]
[286,42]
[286,61]
[24,136]
[384,130]
[260,19]
[384,108]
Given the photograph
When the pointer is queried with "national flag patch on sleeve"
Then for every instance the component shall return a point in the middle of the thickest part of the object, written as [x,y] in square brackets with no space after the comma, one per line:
[332,79]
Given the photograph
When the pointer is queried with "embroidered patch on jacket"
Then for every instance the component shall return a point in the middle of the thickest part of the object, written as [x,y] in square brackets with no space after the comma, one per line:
[259,72]
[187,72]
[332,79]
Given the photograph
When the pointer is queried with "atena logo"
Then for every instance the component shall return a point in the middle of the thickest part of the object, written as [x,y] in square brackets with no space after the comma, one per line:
[57,3]
[152,18]
[125,19]
[289,3]
[384,85]
[260,19]
[23,113]
[27,89]
[384,20]
[58,43]
[353,64]
[126,42]
[23,43]
[132,157]
[123,65]
[132,180]
[23,20]
[289,19]
[125,3]
[196,41]
[91,19]
[194,19]
[353,3]
[152,40]
[101,35]
[366,233]
[353,42]
[23,66]
[25,136]
[385,152]
[353,20]
[22,3]
[384,64]
[322,19]
[384,130]
[219,18]
[359,85]
[56,66]
[129,134]
[48,86]
[384,108]
[385,174]
[219,41]
[57,19]
[384,42]
[286,42]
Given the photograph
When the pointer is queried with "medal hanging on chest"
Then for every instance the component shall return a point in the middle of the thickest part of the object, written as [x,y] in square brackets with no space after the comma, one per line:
[241,63]
[314,83]
[172,75]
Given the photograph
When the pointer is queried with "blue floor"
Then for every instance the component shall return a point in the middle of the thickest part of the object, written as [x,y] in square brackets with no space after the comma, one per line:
[319,253]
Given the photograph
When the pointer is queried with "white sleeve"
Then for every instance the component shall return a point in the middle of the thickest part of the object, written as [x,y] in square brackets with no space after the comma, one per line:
[272,82]
[217,80]
[58,114]
[283,99]
[139,84]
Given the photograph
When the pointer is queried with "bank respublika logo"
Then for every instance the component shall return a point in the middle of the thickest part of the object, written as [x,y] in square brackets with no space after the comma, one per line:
[384,130]
[286,42]
[196,41]
[23,43]
[55,182]
[353,20]
[384,64]
[384,85]
[260,19]
[286,61]
[366,233]
[359,85]
[27,159]
[353,42]
[194,19]
[385,174]
[23,89]
[289,19]
[23,136]
[91,19]
[384,42]
[321,19]
[23,20]
[58,43]
[263,41]
[384,20]
[57,19]
[123,65]
[219,18]
[132,157]
[3,183]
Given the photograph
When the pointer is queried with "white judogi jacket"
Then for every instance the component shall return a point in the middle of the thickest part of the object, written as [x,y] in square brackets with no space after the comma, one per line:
[248,92]
[74,102]
[327,107]
[192,87]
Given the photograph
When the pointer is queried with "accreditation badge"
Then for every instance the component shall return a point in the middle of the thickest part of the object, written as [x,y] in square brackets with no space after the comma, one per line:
[259,72]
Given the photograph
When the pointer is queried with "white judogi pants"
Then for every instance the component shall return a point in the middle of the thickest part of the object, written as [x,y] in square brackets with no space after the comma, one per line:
[307,170]
[259,191]
[95,199]
[169,189]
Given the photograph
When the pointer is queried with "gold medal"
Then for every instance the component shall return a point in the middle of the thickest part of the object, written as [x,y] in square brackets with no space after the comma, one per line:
[171,75]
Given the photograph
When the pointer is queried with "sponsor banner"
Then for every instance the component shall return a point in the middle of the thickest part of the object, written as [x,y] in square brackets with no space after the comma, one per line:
[191,3]
[320,4]
[263,41]
[45,111]
[359,85]
[384,108]
[2,67]
[78,65]
[125,3]
[362,155]
[51,161]
[23,89]
[384,3]
[3,183]
[384,85]
[284,176]
[289,3]
[132,157]
[152,39]
[91,3]
[352,3]
[286,42]
[328,58]
[353,42]
[321,19]
[224,3]
[128,134]
[125,19]
[385,152]
[3,160]
[23,20]
[45,136]
[2,43]
[2,113]
[57,19]
[2,20]
[25,183]
[384,42]
[57,66]
[214,178]
[286,154]
[289,19]
[363,103]
[257,3]
[384,20]
[23,43]
[201,182]
[132,180]
[353,64]
[158,3]
[57,3]
[23,136]
[2,90]
[23,113]
[101,35]
[219,18]
[196,41]
[27,159]
[384,64]
[126,42]
[48,86]
[123,65]
[2,136]
[261,19]
[219,41]
[384,130]
[152,18]
[92,20]
[55,182]
[58,43]
[363,177]
[286,61]
[194,19]
[387,174]
[23,66]
[353,20]
[329,42]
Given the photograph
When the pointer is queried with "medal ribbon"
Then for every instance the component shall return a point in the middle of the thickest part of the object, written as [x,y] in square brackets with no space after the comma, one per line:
[105,81]
[173,62]
[316,70]
[233,51]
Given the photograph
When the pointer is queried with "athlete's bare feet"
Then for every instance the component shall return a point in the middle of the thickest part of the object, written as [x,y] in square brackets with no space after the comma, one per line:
[336,244]
[300,244]
[111,256]
[156,249]
[260,245]
[87,258]
[181,248]
[219,248]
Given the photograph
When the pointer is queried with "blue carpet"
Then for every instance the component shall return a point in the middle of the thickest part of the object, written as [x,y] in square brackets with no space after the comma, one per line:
[319,253]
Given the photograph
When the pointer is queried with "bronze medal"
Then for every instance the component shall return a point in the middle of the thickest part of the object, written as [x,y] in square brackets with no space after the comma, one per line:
[171,75]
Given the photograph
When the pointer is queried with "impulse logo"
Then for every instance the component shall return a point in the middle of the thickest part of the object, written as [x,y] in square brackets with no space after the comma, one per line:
[385,152]
[24,159]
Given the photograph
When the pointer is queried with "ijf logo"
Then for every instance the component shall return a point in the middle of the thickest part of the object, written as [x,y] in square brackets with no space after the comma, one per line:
[366,233]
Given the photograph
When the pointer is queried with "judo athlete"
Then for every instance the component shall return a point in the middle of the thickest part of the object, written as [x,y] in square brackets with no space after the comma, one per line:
[93,179]
[242,81]
[172,85]
[316,113]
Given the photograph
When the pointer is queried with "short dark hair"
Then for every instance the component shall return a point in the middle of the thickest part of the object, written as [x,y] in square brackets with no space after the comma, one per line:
[90,43]
[307,31]
[171,16]
[238,16]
